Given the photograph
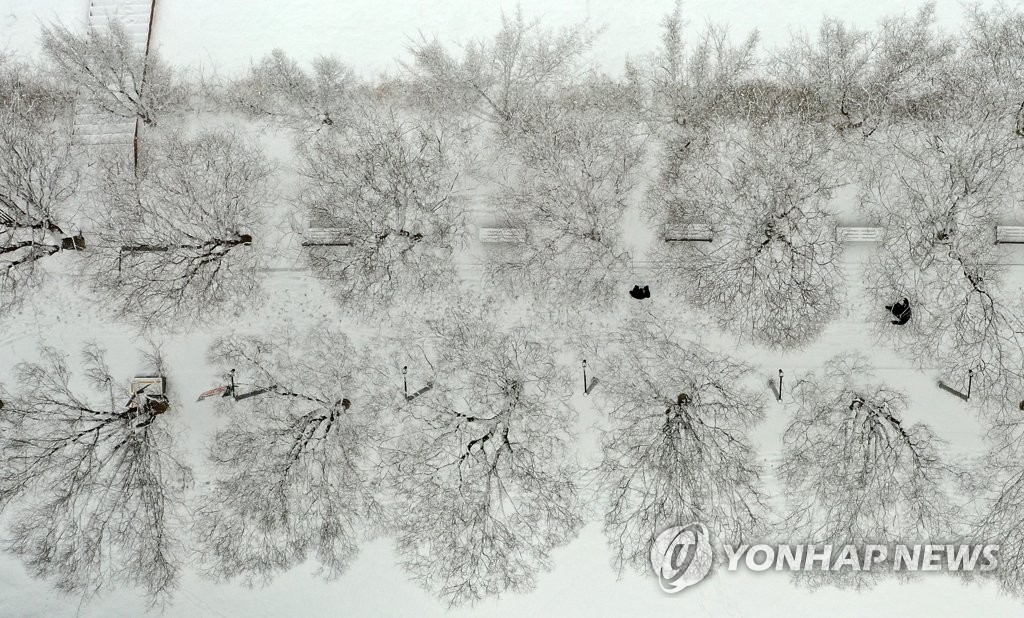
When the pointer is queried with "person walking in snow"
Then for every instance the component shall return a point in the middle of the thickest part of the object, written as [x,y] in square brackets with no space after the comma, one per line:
[901,311]
[640,293]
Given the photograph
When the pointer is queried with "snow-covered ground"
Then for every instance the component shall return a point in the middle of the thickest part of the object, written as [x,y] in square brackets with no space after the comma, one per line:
[370,35]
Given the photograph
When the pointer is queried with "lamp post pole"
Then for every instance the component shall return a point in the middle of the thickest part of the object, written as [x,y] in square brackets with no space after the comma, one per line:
[970,381]
[780,385]
[405,380]
[585,377]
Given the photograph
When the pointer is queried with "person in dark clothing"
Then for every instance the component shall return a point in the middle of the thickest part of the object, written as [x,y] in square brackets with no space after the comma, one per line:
[640,293]
[901,311]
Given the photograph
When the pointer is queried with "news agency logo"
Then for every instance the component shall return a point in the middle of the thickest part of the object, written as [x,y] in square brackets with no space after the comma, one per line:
[681,556]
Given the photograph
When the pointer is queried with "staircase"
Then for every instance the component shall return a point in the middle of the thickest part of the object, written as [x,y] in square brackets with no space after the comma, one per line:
[93,126]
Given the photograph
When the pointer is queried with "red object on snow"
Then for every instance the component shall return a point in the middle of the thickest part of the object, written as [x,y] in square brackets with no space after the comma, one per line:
[220,391]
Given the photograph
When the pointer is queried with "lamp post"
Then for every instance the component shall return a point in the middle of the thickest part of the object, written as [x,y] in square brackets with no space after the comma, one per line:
[405,380]
[585,377]
[970,380]
[780,385]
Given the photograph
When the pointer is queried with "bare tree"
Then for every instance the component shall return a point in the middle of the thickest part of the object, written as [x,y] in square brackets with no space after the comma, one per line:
[854,80]
[567,182]
[992,64]
[854,471]
[481,465]
[173,238]
[89,482]
[36,179]
[939,192]
[29,86]
[112,73]
[294,471]
[390,186]
[496,81]
[772,271]
[676,448]
[279,90]
[690,86]
[998,481]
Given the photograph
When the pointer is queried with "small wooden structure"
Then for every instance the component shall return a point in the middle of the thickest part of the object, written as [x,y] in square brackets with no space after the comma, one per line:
[150,385]
[148,395]
[73,243]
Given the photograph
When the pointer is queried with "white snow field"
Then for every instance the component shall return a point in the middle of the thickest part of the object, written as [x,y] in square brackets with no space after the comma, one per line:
[370,35]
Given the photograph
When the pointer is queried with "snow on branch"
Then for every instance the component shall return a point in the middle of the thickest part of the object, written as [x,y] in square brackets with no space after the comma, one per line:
[676,446]
[112,73]
[88,478]
[569,173]
[294,472]
[390,186]
[940,195]
[173,240]
[772,271]
[855,470]
[37,177]
[279,90]
[481,466]
[496,81]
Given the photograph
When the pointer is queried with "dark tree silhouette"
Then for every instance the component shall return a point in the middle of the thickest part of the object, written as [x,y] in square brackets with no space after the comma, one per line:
[992,67]
[998,481]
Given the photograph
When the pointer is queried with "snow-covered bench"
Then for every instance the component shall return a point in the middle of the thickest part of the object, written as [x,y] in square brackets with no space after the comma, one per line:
[1010,234]
[859,234]
[514,235]
[325,237]
[689,232]
[151,385]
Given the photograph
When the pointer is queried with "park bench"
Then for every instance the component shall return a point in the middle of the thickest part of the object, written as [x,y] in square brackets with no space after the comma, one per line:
[325,237]
[859,234]
[689,232]
[1010,234]
[151,385]
[513,235]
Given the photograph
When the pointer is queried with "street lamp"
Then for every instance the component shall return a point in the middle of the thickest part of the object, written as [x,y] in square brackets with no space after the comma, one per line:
[780,385]
[405,380]
[585,377]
